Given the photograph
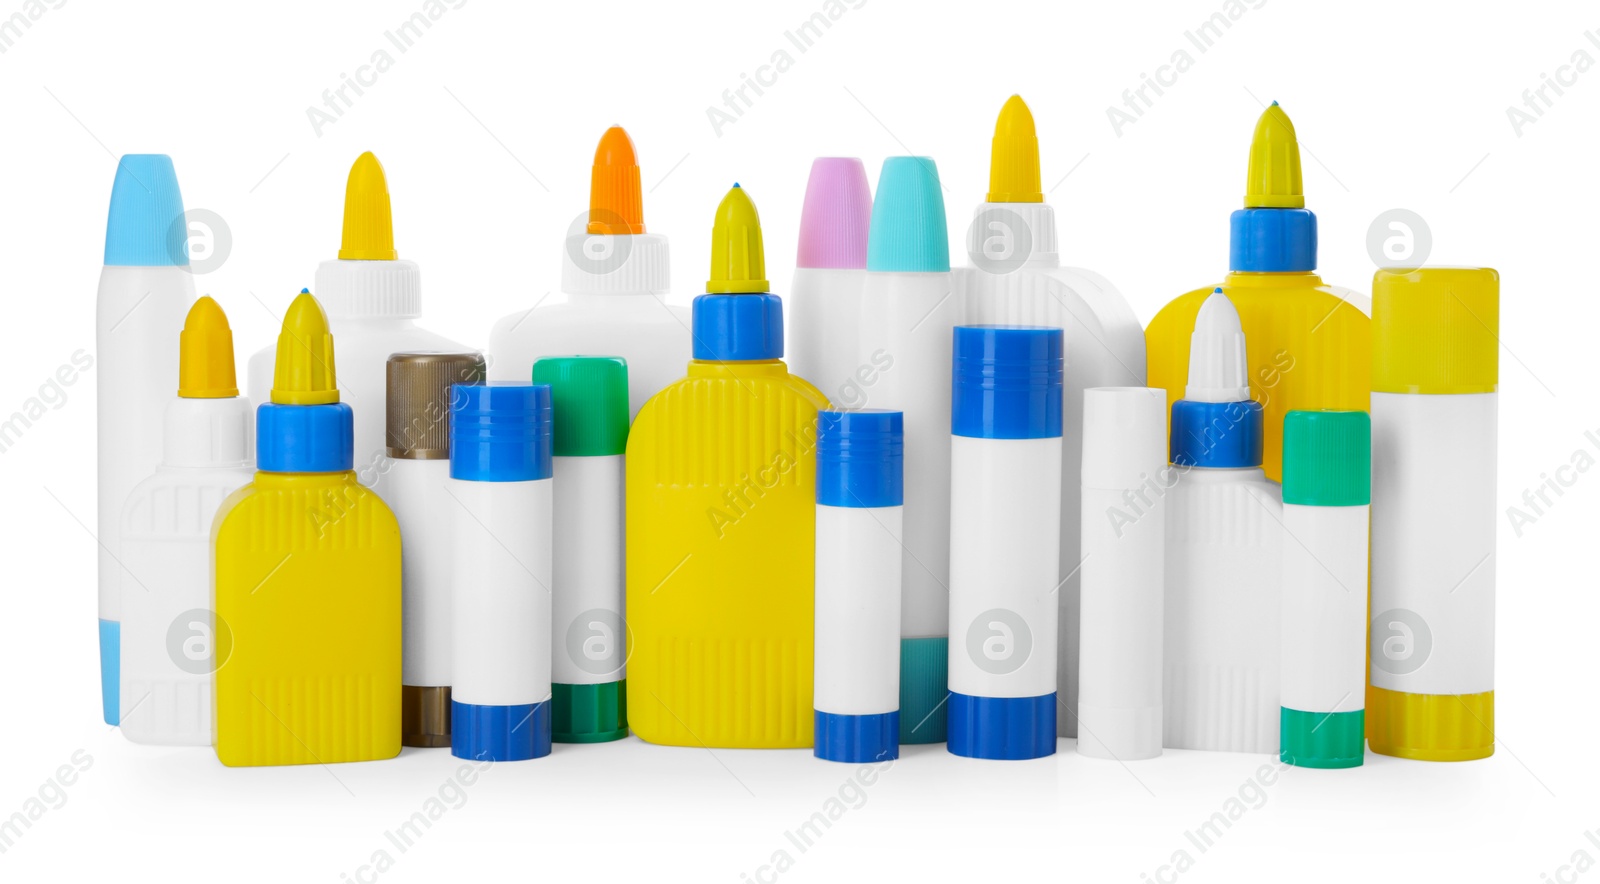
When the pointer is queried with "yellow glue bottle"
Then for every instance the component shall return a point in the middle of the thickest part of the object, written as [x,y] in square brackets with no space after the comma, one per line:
[721,522]
[1307,342]
[306,579]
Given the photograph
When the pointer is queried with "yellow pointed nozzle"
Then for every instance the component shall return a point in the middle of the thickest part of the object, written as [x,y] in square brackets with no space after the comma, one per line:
[1014,156]
[205,354]
[738,260]
[1274,178]
[368,226]
[304,372]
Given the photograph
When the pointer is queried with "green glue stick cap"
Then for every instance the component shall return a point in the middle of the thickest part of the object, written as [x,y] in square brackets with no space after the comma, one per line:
[589,395]
[1327,458]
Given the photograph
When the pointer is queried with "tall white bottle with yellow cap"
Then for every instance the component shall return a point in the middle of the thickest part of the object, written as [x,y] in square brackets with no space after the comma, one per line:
[372,299]
[1016,277]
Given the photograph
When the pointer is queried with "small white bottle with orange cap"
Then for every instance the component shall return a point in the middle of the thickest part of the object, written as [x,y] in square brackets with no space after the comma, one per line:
[169,642]
[615,278]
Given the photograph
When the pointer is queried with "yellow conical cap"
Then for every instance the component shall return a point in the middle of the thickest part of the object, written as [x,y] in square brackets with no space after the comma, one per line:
[1014,156]
[205,353]
[304,372]
[738,260]
[368,226]
[1273,181]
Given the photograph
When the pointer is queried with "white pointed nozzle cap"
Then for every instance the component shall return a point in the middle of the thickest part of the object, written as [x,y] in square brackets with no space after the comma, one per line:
[1218,371]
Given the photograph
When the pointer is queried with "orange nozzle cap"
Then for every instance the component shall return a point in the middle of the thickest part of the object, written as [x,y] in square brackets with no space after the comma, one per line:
[205,354]
[616,204]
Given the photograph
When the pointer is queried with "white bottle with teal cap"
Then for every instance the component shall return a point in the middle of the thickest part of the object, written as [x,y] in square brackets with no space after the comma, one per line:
[907,312]
[589,395]
[500,476]
[1223,544]
[860,489]
[1327,496]
[1005,507]
[146,288]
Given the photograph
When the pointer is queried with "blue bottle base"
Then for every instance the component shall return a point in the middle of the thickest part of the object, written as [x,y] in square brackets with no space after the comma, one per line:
[924,687]
[1002,728]
[857,739]
[500,733]
[111,671]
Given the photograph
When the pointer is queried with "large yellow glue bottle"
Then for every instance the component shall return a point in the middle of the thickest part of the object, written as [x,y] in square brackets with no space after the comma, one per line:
[1307,342]
[306,579]
[721,522]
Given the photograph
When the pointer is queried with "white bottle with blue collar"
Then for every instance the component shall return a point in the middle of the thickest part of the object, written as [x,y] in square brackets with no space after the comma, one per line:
[1005,531]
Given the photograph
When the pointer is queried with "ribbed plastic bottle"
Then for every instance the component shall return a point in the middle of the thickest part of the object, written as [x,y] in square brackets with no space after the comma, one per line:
[168,644]
[372,297]
[590,398]
[500,593]
[830,267]
[1309,345]
[1005,522]
[1223,553]
[908,308]
[1435,405]
[145,289]
[615,278]
[1327,491]
[306,579]
[418,438]
[1015,276]
[721,516]
[860,492]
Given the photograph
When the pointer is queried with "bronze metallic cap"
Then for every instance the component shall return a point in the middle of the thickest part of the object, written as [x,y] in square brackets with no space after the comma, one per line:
[418,426]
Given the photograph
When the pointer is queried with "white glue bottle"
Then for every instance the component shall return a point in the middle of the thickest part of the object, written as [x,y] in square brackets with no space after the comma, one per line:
[830,266]
[589,395]
[1435,376]
[500,473]
[859,495]
[907,311]
[169,634]
[1124,526]
[373,298]
[145,289]
[1015,275]
[418,445]
[1224,538]
[1327,492]
[1005,523]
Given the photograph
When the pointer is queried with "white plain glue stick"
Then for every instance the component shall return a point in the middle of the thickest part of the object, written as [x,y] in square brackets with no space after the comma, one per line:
[825,300]
[859,496]
[418,439]
[145,290]
[500,596]
[1124,531]
[1327,488]
[589,395]
[1435,372]
[908,307]
[1005,512]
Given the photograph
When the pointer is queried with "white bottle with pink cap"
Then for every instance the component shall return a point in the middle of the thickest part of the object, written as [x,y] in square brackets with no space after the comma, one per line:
[831,263]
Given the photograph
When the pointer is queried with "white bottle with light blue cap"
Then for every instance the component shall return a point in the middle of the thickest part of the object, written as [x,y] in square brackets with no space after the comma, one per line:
[1005,533]
[860,488]
[908,309]
[146,288]
[1221,647]
[500,475]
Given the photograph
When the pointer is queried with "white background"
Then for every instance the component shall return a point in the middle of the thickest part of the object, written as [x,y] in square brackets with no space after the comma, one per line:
[487,126]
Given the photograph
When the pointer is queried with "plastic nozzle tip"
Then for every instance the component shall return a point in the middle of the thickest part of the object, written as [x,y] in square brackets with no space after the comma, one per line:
[368,225]
[836,216]
[1217,368]
[738,259]
[304,373]
[145,204]
[1014,156]
[616,202]
[908,222]
[1273,181]
[205,353]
